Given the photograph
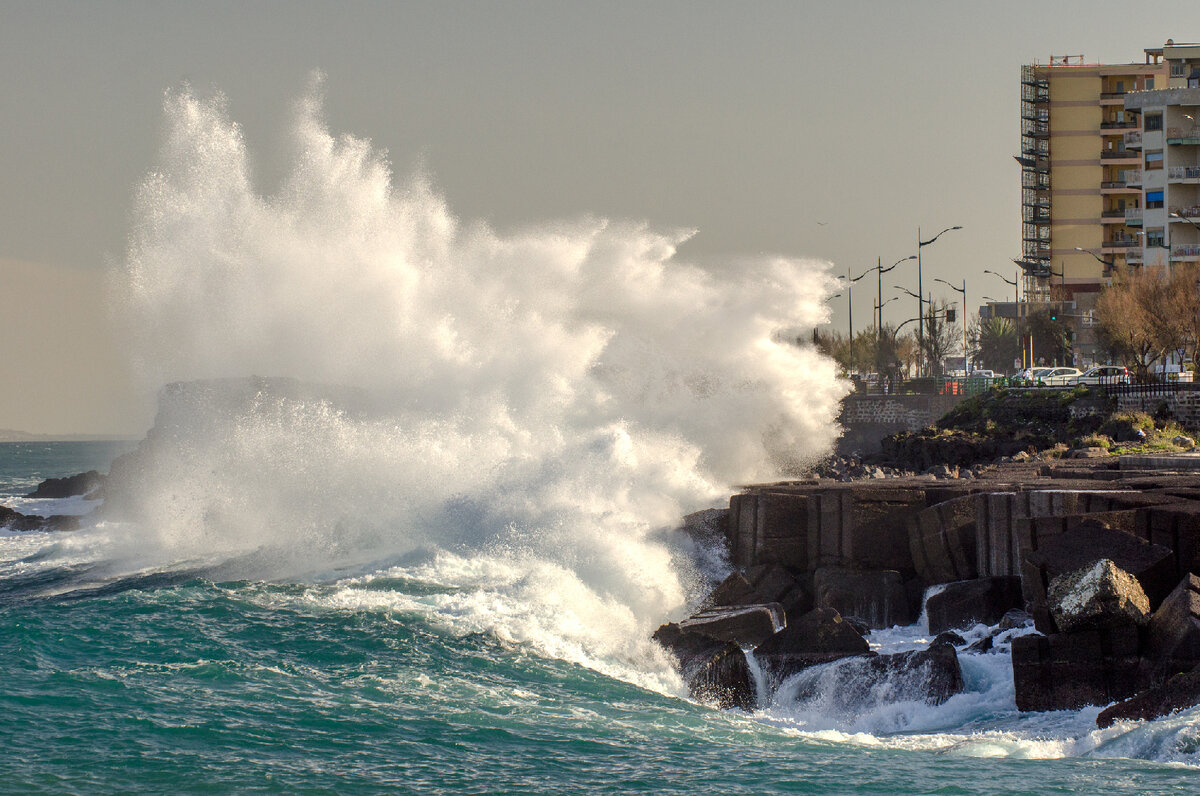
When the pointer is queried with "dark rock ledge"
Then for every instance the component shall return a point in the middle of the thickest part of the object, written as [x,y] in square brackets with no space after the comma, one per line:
[1104,562]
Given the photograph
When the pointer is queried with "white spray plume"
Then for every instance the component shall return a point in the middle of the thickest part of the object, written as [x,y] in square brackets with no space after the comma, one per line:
[559,393]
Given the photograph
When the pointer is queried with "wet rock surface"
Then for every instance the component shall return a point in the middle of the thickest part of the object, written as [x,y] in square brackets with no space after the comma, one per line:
[1097,596]
[966,603]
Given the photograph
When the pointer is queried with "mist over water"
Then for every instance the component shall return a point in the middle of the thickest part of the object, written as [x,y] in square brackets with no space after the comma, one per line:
[543,403]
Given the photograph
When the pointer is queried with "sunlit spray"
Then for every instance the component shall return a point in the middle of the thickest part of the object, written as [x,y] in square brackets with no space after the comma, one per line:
[541,403]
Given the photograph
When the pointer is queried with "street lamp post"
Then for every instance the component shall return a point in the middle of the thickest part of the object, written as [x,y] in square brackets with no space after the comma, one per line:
[963,291]
[850,308]
[920,288]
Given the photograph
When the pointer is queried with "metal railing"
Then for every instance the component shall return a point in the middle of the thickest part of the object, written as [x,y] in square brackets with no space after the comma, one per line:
[1183,173]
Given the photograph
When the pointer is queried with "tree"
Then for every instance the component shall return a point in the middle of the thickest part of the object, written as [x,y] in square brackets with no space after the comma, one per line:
[1051,335]
[1131,322]
[1182,307]
[939,338]
[996,343]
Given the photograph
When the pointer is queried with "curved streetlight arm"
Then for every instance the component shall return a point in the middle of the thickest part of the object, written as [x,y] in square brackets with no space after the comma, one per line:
[935,237]
[906,290]
[962,289]
[901,260]
[1099,259]
[1012,282]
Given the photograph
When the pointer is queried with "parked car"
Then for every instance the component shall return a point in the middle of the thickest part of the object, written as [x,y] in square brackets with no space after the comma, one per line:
[1060,377]
[1104,374]
[983,374]
[1030,377]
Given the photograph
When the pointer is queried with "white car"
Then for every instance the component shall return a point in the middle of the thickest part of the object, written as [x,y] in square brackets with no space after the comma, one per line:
[1031,376]
[1104,374]
[1061,377]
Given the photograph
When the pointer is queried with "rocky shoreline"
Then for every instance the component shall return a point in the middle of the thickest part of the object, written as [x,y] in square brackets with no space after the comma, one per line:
[1084,570]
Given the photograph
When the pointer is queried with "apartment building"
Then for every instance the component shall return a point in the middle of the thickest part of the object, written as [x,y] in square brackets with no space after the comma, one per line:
[1081,194]
[1168,144]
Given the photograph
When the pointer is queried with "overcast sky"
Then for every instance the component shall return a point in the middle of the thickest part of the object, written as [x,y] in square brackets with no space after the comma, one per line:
[821,129]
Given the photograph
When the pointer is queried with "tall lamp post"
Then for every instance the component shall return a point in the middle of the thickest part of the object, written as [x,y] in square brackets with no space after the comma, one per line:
[962,290]
[1016,283]
[850,307]
[920,287]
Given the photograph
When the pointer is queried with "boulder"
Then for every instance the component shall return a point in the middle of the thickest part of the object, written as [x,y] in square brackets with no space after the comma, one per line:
[876,597]
[1101,595]
[774,583]
[966,603]
[1173,633]
[716,672]
[1066,671]
[744,625]
[819,636]
[81,484]
[860,683]
[1080,547]
[762,584]
[1184,442]
[1013,619]
[734,590]
[1180,692]
[948,637]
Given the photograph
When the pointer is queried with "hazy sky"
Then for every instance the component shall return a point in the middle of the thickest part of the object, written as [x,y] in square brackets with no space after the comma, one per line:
[823,129]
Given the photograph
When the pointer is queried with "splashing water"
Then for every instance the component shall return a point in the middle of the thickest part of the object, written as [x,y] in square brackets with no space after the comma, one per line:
[542,403]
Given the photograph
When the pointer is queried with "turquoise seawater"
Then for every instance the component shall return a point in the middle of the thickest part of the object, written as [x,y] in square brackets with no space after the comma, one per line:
[387,679]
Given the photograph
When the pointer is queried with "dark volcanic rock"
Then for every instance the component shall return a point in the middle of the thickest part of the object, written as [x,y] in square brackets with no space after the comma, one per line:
[33,522]
[1173,634]
[1179,693]
[876,597]
[1152,565]
[847,686]
[819,636]
[966,603]
[949,637]
[942,541]
[1101,595]
[716,672]
[1066,671]
[744,625]
[81,484]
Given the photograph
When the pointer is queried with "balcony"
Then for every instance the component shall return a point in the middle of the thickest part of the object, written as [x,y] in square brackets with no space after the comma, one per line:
[1183,135]
[1186,251]
[1112,97]
[1118,125]
[1119,245]
[1133,216]
[1133,139]
[1185,212]
[1184,174]
[1133,256]
[1119,154]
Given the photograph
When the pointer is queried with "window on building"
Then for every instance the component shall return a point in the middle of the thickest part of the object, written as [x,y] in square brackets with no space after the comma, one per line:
[1177,68]
[1154,199]
[1153,121]
[1154,160]
[1120,86]
[1155,237]
[1149,84]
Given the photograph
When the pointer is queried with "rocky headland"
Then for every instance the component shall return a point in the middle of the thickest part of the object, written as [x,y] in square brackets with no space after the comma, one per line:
[1073,535]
